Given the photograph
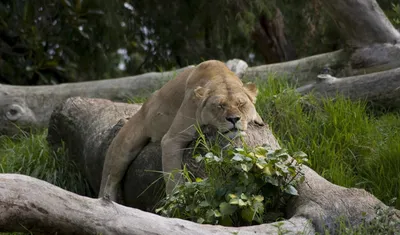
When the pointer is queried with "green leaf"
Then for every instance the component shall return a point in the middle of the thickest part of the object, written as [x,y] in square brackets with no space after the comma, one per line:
[258,198]
[237,157]
[209,215]
[204,204]
[272,181]
[226,221]
[243,196]
[217,213]
[217,159]
[198,180]
[247,214]
[227,209]
[244,167]
[231,195]
[260,166]
[299,154]
[242,203]
[261,151]
[234,201]
[200,220]
[209,155]
[159,209]
[199,158]
[291,190]
[282,167]
[268,171]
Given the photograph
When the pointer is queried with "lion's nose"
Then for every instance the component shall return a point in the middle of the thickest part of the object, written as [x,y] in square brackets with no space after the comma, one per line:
[233,119]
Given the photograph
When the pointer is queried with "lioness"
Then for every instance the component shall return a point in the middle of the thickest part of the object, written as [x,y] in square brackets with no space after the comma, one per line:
[208,94]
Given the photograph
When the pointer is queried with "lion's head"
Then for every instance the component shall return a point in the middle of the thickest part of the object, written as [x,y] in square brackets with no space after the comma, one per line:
[228,107]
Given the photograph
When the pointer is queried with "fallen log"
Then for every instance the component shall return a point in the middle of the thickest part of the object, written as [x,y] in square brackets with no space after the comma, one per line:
[341,63]
[86,132]
[381,88]
[31,205]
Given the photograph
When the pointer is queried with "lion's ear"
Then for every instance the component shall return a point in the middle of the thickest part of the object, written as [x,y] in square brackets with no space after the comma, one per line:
[251,88]
[259,120]
[200,92]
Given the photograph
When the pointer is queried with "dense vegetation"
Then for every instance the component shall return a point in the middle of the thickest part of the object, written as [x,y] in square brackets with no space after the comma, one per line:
[46,42]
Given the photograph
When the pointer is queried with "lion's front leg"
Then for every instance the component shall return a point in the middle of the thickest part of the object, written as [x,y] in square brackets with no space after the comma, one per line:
[173,145]
[123,149]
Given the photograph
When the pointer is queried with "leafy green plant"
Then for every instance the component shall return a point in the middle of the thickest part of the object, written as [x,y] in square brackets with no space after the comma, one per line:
[244,186]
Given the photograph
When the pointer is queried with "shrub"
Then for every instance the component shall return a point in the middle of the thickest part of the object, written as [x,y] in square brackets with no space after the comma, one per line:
[256,182]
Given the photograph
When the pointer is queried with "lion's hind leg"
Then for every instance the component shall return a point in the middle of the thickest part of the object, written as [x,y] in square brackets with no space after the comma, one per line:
[122,151]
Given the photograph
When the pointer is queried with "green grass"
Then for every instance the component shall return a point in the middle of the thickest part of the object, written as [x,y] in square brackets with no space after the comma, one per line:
[347,142]
[29,154]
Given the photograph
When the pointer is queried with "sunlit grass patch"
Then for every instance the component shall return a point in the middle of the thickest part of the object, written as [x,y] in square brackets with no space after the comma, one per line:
[29,154]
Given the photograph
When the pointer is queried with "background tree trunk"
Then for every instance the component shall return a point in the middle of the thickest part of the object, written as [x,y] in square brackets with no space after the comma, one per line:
[271,40]
[319,200]
[361,22]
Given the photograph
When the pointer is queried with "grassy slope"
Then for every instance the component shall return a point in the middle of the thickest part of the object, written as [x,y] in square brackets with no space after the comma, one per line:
[347,143]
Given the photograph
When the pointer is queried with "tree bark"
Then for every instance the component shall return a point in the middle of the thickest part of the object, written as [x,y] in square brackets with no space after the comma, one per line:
[271,40]
[319,201]
[31,205]
[382,89]
[361,22]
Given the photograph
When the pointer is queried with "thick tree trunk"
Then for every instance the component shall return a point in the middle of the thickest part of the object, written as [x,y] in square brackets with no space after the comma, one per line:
[271,40]
[319,201]
[361,22]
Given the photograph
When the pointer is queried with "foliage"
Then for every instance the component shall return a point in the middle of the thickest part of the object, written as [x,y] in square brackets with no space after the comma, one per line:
[349,143]
[394,14]
[29,154]
[47,41]
[256,182]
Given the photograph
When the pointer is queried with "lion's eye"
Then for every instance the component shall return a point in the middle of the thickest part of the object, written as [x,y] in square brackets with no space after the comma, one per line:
[221,106]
